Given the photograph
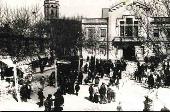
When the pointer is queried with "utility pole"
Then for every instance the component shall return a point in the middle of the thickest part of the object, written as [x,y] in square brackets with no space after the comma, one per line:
[107,43]
[16,79]
[53,50]
[16,82]
[55,62]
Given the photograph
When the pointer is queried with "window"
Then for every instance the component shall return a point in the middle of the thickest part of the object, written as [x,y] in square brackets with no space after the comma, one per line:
[122,22]
[129,30]
[136,22]
[129,21]
[136,31]
[91,32]
[103,32]
[52,12]
[47,6]
[57,13]
[156,32]
[121,30]
[168,33]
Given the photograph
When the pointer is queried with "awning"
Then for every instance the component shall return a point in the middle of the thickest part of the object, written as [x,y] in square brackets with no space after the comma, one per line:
[8,62]
[63,62]
[24,68]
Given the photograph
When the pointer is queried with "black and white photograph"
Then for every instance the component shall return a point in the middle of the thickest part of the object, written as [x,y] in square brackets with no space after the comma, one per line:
[84,55]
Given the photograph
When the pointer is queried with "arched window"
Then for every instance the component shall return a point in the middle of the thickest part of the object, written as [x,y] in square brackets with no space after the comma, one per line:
[52,12]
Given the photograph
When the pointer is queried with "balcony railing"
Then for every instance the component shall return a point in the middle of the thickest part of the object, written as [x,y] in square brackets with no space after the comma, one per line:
[127,39]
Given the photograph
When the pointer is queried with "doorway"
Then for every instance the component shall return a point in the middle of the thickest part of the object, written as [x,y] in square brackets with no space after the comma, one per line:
[129,52]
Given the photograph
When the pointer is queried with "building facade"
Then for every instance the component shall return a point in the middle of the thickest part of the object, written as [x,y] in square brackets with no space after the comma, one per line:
[126,37]
[96,29]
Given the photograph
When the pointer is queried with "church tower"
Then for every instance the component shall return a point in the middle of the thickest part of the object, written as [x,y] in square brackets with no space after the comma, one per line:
[51,9]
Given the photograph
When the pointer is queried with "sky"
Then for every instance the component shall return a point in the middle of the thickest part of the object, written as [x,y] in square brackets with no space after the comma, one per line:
[68,8]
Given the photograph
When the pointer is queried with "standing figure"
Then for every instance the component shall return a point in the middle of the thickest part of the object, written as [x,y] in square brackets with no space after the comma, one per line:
[96,94]
[77,88]
[91,92]
[147,104]
[119,107]
[48,103]
[41,97]
[42,81]
[102,92]
[23,93]
[150,81]
[58,101]
[97,80]
[29,91]
[85,68]
[80,77]
[158,81]
[52,79]
[110,94]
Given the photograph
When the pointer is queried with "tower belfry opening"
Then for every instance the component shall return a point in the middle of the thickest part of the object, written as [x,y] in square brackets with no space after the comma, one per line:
[51,9]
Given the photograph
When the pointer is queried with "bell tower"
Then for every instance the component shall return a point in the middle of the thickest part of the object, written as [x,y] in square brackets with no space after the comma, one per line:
[51,9]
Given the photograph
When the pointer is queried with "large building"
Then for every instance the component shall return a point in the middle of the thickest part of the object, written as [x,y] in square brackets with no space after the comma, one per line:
[96,28]
[125,31]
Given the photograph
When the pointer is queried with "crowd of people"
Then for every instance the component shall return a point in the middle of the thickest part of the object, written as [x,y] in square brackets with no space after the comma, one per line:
[49,103]
[69,80]
[154,75]
[104,94]
[96,69]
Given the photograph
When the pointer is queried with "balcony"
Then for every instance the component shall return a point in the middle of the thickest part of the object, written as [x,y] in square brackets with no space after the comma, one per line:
[129,39]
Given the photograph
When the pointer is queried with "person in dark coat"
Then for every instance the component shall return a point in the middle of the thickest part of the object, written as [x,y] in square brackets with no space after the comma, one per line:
[110,94]
[41,97]
[90,75]
[48,103]
[150,81]
[42,81]
[80,77]
[102,92]
[52,79]
[58,101]
[23,93]
[158,81]
[96,97]
[29,91]
[97,80]
[85,68]
[77,88]
[91,92]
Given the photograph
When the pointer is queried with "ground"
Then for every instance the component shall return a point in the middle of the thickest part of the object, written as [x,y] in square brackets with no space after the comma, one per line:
[129,93]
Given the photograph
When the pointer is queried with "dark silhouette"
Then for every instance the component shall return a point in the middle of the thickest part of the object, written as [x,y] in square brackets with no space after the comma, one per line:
[41,97]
